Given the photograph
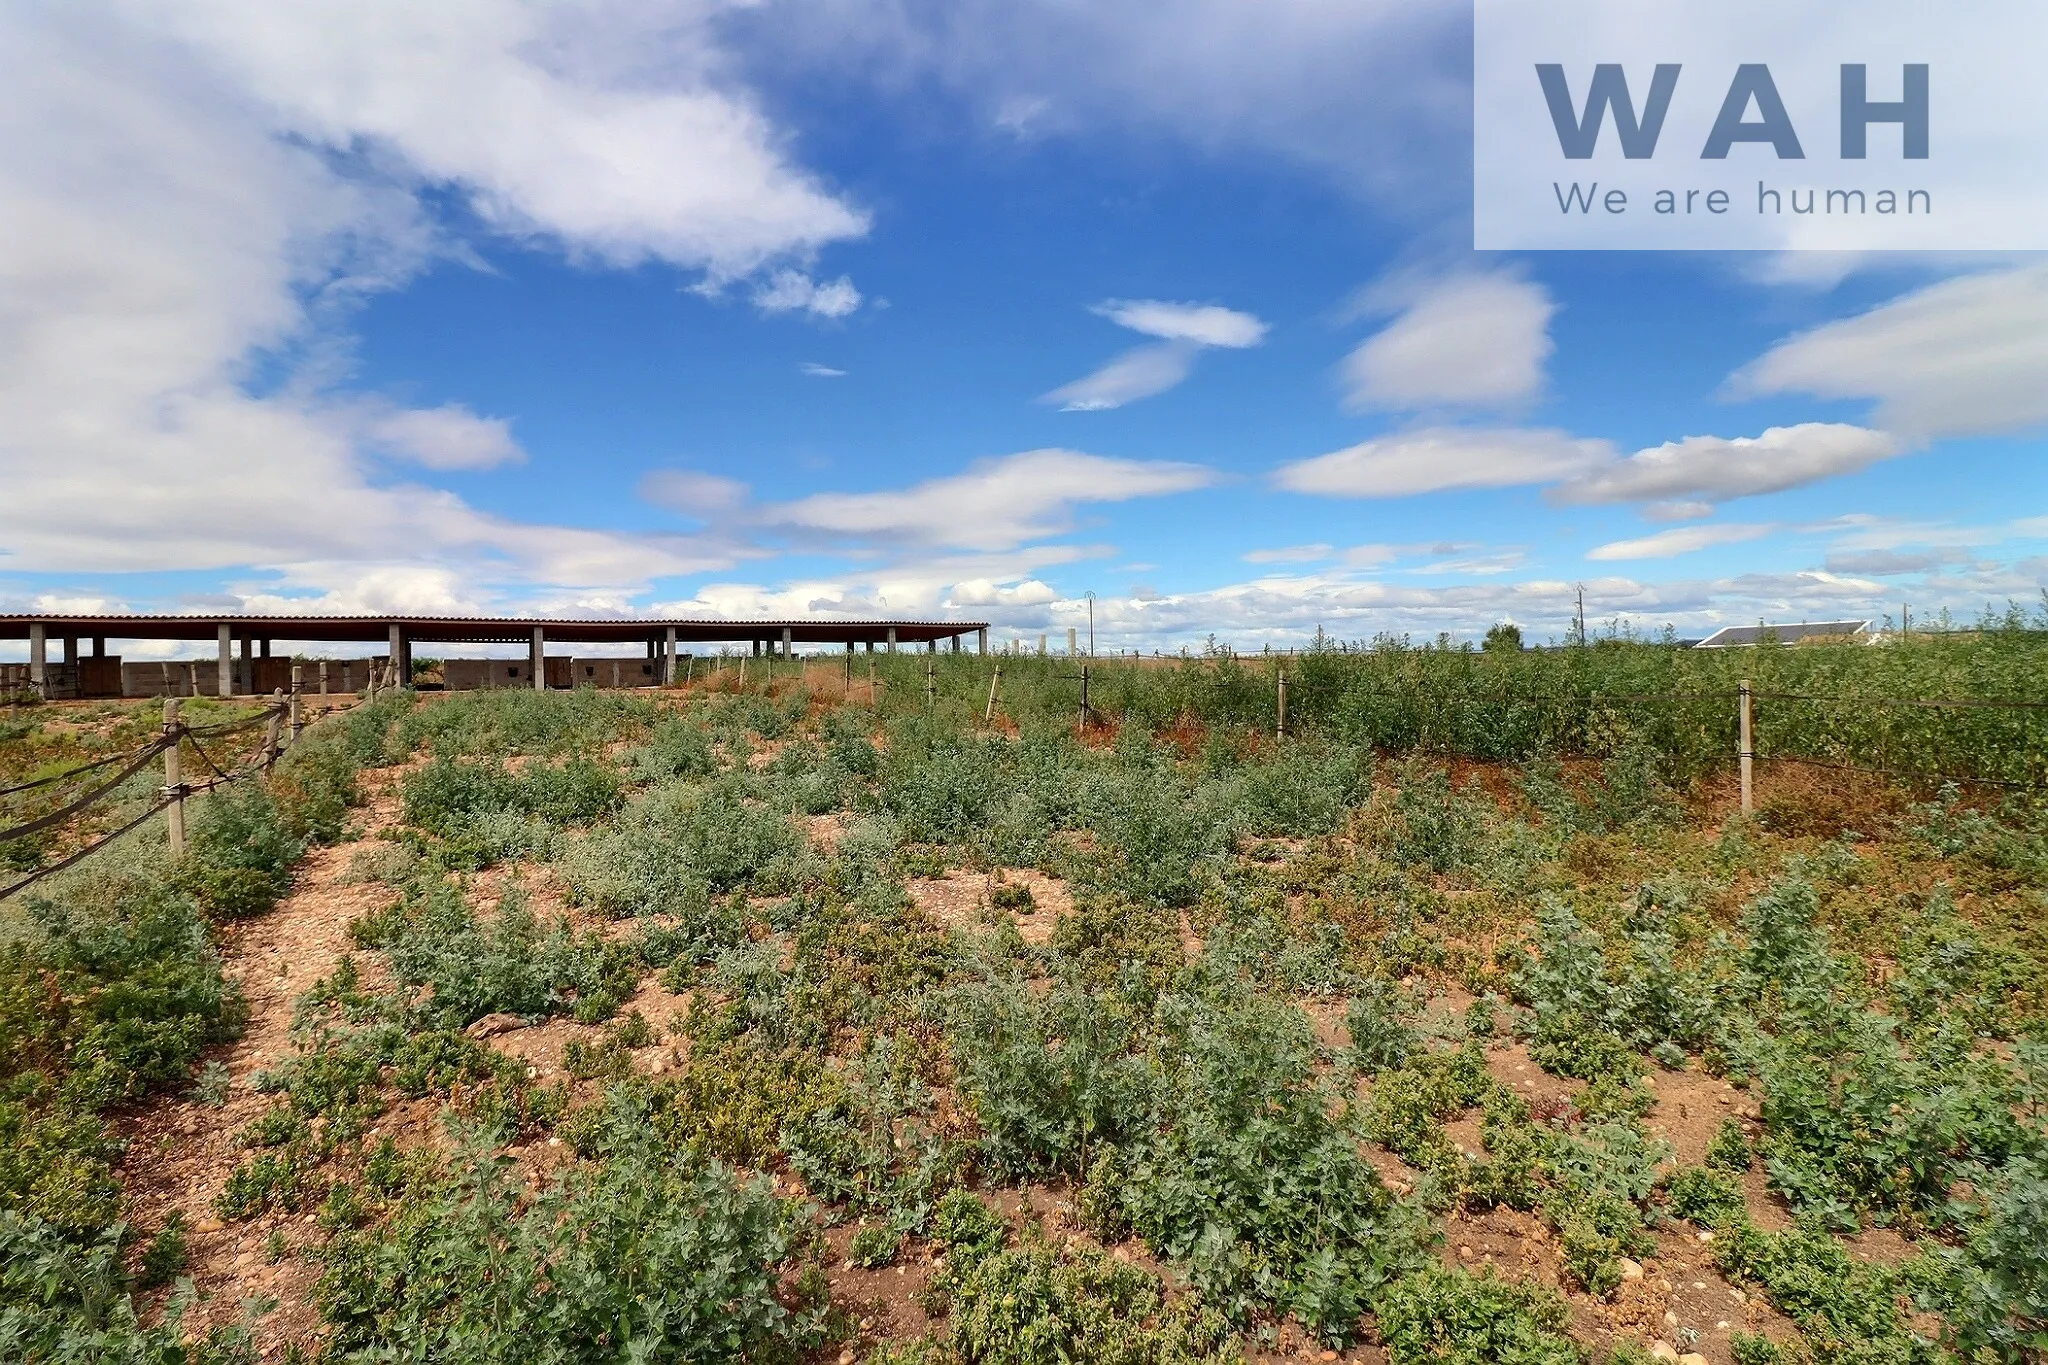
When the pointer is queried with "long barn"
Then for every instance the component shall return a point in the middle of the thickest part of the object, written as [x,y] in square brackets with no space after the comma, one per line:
[245,664]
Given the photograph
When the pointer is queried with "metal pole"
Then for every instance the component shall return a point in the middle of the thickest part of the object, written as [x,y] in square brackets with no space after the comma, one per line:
[1745,745]
[174,778]
[298,714]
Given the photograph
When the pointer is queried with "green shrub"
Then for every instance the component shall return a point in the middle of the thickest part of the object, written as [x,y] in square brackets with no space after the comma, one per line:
[641,1256]
[874,1246]
[239,858]
[1447,1316]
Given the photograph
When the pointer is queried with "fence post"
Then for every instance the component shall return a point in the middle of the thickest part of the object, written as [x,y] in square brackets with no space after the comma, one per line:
[931,690]
[298,715]
[1280,726]
[1086,709]
[273,727]
[1745,745]
[174,776]
[990,713]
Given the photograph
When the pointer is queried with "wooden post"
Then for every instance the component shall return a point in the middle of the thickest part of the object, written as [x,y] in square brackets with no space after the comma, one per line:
[871,681]
[273,727]
[298,714]
[1745,744]
[743,673]
[990,714]
[931,691]
[1280,728]
[846,686]
[1084,697]
[174,777]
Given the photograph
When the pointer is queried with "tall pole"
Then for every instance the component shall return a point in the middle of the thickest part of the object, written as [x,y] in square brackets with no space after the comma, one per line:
[1745,745]
[1280,727]
[1091,625]
[174,778]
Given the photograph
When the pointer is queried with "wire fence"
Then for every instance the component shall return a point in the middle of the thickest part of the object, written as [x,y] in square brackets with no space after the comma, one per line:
[175,738]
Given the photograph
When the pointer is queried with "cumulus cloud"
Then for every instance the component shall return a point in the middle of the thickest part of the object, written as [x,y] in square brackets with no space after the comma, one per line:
[1468,341]
[792,291]
[1441,458]
[1963,357]
[196,188]
[1680,540]
[447,437]
[1201,324]
[1678,475]
[693,492]
[1185,330]
[1138,373]
[996,504]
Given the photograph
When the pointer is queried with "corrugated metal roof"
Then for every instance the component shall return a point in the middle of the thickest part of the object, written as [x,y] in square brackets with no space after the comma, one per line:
[473,629]
[1729,636]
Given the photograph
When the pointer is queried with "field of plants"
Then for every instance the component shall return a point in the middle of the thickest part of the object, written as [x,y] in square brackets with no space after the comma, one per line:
[891,1011]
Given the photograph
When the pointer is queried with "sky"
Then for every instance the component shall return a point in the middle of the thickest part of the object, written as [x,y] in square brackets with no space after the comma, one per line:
[936,309]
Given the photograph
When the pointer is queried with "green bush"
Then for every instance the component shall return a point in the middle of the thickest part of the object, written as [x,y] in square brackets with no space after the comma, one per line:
[1447,1316]
[239,858]
[641,1256]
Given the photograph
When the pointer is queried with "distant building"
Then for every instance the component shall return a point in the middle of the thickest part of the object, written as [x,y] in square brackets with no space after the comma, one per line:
[1805,632]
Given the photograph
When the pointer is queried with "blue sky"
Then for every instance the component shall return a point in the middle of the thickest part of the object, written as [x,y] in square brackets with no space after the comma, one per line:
[956,311]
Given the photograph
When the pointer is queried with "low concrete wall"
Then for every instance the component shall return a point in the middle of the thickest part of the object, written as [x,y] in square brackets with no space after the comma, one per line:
[482,675]
[201,677]
[615,672]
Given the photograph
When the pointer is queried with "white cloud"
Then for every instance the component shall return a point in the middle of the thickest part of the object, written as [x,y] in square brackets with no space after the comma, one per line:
[447,437]
[1138,373]
[981,592]
[1713,469]
[1440,458]
[1185,329]
[817,371]
[1468,341]
[1880,563]
[792,291]
[197,189]
[1198,323]
[1291,554]
[1680,540]
[996,504]
[1967,356]
[693,492]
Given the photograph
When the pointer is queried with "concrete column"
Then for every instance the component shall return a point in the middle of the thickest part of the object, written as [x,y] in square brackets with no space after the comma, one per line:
[265,647]
[981,640]
[539,657]
[956,644]
[38,661]
[892,639]
[931,646]
[246,679]
[99,646]
[668,659]
[787,650]
[1041,644]
[395,651]
[757,648]
[225,683]
[70,650]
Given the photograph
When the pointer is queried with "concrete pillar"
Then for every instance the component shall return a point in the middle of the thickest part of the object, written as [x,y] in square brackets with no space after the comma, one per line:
[246,679]
[668,659]
[70,649]
[226,682]
[956,644]
[265,647]
[99,646]
[756,644]
[1041,644]
[931,646]
[1073,640]
[981,640]
[539,658]
[395,651]
[38,661]
[788,651]
[892,639]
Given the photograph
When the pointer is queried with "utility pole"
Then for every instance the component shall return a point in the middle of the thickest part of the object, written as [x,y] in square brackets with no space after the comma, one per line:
[1581,617]
[1091,624]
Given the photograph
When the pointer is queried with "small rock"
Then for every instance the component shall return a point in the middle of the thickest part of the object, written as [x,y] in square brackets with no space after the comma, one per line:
[1692,1358]
[554,1142]
[1329,1355]
[846,1356]
[1706,1237]
[491,1025]
[1738,1296]
[1722,1325]
[1670,1318]
[1664,1350]
[1699,1284]
[1631,1270]
[1464,1253]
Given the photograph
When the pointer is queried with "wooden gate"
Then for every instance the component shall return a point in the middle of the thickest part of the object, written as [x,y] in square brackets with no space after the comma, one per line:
[99,677]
